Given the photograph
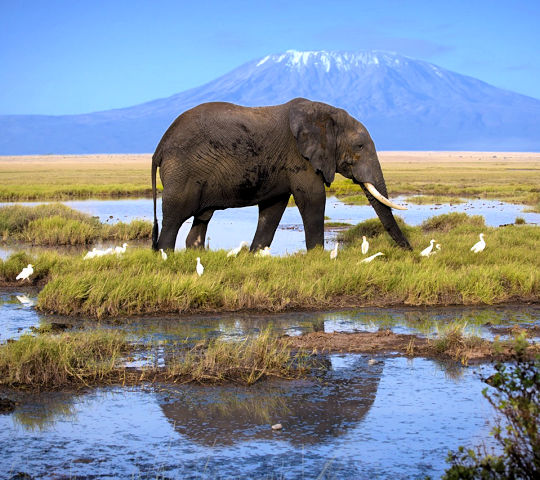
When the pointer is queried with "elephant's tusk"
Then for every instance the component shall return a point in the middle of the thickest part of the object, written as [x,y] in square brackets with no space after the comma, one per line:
[371,189]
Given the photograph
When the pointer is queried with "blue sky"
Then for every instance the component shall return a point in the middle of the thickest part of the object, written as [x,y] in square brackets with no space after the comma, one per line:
[72,56]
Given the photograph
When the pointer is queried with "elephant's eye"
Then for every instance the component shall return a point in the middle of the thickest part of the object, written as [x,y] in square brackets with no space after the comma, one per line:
[360,147]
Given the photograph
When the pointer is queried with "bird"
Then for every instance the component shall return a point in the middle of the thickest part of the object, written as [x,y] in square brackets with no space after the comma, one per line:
[333,253]
[120,250]
[479,246]
[265,252]
[199,268]
[369,259]
[235,251]
[427,251]
[365,245]
[25,273]
[91,254]
[27,302]
[163,254]
[437,249]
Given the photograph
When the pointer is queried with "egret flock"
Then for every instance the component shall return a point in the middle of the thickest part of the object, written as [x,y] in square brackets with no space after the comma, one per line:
[432,249]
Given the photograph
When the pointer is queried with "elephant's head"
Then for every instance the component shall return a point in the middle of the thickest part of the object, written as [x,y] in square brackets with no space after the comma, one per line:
[333,141]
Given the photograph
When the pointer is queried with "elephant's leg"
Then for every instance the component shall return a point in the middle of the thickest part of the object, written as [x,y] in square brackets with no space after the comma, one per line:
[197,234]
[270,213]
[311,202]
[176,210]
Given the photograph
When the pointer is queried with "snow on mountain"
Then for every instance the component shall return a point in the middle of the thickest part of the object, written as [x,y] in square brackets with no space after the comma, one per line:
[406,104]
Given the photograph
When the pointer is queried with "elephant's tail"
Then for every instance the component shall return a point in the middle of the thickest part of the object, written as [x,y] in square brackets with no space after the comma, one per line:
[155,228]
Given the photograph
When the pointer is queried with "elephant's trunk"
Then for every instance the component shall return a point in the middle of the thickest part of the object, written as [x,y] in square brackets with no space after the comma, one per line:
[373,177]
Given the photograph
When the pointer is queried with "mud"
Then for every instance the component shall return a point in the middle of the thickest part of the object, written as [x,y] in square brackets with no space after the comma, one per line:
[464,349]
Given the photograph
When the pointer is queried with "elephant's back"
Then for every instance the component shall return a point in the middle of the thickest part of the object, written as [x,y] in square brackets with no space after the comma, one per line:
[218,125]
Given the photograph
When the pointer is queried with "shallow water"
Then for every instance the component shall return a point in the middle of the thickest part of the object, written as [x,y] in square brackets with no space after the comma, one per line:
[18,318]
[229,227]
[359,421]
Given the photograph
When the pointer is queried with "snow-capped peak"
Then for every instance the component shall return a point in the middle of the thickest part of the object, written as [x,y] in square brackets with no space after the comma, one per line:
[328,60]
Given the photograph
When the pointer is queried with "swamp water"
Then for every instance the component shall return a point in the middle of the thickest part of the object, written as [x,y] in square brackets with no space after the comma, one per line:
[229,227]
[395,418]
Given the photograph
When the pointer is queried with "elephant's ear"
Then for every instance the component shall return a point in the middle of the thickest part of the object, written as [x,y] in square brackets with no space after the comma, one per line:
[313,128]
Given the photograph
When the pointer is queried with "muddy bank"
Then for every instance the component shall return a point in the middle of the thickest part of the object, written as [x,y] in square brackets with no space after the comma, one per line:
[455,347]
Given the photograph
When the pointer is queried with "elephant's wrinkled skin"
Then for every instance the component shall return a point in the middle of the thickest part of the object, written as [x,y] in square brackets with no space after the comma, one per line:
[220,155]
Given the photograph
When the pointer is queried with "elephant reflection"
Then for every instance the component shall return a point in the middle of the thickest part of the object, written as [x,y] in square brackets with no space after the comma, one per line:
[310,410]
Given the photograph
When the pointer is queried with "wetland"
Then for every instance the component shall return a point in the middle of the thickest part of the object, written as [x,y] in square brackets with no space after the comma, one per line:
[127,366]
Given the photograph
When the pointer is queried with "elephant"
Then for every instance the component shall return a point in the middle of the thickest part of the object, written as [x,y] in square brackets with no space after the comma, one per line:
[219,155]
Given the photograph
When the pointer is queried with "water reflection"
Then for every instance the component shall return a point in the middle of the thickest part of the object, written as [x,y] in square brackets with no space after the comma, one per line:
[310,410]
[392,420]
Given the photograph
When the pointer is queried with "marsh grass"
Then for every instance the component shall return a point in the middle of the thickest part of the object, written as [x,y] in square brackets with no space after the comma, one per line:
[54,361]
[84,358]
[57,224]
[247,362]
[452,340]
[139,282]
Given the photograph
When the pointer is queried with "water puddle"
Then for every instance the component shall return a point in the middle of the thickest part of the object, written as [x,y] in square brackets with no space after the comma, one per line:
[358,421]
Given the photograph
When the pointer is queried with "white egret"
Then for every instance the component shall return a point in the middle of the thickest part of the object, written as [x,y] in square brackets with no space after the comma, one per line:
[25,273]
[91,254]
[199,268]
[427,251]
[120,250]
[479,246]
[235,251]
[365,245]
[163,254]
[265,252]
[437,249]
[369,259]
[333,253]
[27,302]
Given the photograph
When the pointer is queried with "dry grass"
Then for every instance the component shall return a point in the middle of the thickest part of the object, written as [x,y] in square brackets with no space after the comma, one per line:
[513,177]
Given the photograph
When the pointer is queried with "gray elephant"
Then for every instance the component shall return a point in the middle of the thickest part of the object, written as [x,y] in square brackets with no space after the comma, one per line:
[219,155]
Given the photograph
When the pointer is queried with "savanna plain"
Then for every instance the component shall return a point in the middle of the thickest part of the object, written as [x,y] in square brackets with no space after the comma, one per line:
[287,366]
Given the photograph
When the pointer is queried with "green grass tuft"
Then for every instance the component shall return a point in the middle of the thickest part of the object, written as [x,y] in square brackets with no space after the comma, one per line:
[57,224]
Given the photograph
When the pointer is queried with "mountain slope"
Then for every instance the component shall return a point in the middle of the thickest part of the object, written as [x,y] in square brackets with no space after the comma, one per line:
[405,104]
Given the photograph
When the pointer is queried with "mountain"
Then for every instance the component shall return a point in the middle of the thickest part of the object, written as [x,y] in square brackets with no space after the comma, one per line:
[406,104]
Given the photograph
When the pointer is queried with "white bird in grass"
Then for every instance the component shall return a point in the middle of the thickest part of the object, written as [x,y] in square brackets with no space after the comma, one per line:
[235,251]
[199,268]
[479,246]
[25,273]
[427,251]
[369,259]
[91,254]
[333,253]
[437,249]
[265,252]
[365,245]
[163,254]
[120,250]
[27,302]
